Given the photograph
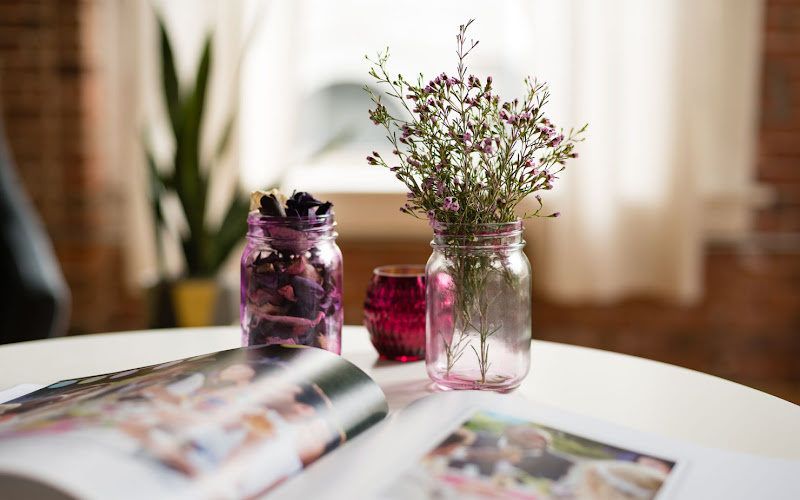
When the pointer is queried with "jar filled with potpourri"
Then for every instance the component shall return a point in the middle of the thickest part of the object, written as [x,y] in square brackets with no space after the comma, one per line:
[291,273]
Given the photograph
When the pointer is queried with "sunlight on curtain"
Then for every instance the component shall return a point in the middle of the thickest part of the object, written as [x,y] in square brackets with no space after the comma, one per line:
[671,125]
[624,231]
[669,88]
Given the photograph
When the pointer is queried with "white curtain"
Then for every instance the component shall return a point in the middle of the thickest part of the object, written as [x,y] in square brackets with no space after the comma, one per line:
[669,89]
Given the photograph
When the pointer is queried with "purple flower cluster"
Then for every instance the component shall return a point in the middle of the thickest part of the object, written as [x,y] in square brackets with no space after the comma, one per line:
[463,149]
[450,204]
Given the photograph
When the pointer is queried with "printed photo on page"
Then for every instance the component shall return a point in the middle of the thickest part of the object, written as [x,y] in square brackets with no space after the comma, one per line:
[496,456]
[235,422]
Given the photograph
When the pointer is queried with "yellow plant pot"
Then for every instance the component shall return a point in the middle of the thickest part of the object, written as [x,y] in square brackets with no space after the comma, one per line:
[194,302]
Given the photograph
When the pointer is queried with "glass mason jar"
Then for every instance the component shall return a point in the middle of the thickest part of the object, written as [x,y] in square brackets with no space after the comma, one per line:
[478,307]
[292,282]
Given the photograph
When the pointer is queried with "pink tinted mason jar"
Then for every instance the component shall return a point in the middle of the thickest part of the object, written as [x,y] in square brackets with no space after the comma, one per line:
[478,311]
[291,282]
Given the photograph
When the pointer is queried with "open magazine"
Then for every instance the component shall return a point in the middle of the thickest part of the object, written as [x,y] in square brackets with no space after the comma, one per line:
[230,424]
[282,421]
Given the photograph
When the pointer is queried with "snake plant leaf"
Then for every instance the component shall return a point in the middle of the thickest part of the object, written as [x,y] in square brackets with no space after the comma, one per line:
[204,248]
[191,253]
[156,188]
[224,140]
[169,78]
[193,183]
[194,108]
[201,82]
[231,230]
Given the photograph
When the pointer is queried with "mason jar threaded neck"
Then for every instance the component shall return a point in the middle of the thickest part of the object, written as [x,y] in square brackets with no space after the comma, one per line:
[490,235]
[268,228]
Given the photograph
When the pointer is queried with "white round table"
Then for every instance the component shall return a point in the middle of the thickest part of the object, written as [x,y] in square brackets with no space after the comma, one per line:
[629,391]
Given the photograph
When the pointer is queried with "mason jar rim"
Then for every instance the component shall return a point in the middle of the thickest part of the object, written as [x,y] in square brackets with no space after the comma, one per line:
[478,236]
[315,228]
[400,270]
[255,216]
[468,228]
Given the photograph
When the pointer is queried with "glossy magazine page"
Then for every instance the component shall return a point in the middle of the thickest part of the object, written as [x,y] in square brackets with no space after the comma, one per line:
[231,424]
[496,455]
[476,445]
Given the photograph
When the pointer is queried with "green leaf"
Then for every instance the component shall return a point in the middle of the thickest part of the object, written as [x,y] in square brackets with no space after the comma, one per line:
[170,79]
[204,250]
[194,266]
[156,187]
[231,230]
[224,140]
[201,82]
[191,183]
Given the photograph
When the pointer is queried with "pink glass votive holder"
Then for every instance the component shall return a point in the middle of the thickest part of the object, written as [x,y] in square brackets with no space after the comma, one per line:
[394,312]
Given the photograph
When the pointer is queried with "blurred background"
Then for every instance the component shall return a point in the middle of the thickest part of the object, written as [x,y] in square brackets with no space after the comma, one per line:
[680,231]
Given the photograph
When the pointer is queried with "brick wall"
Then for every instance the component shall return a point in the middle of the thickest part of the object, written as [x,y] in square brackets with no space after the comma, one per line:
[779,159]
[774,308]
[49,91]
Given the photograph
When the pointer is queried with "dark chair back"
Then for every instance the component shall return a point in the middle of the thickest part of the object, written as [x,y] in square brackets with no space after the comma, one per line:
[34,298]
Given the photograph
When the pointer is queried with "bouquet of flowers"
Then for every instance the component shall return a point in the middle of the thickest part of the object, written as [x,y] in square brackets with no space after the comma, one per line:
[465,155]
[468,159]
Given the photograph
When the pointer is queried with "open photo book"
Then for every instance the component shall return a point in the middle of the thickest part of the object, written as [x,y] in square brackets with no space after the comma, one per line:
[294,422]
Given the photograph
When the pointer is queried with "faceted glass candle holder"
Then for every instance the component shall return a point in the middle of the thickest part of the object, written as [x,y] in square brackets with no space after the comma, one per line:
[394,312]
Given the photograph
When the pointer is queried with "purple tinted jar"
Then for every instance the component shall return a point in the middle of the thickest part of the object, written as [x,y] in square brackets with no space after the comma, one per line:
[292,282]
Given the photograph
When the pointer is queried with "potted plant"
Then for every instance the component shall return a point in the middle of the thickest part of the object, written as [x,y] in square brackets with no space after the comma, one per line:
[187,176]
